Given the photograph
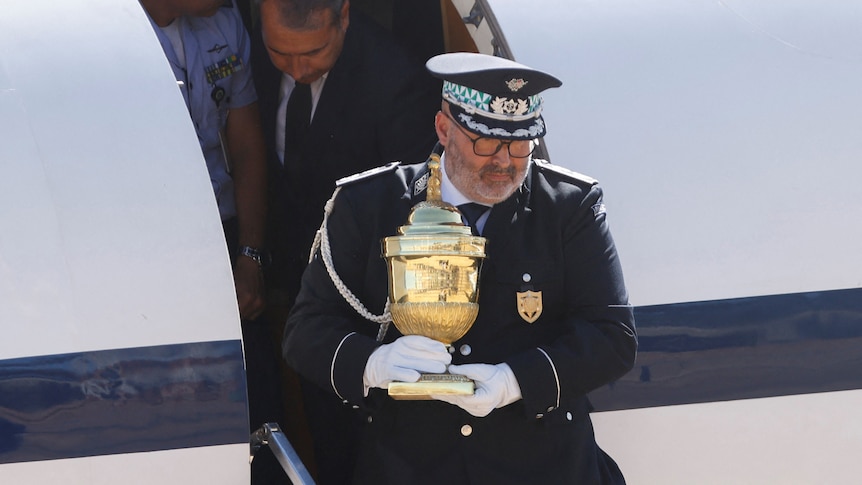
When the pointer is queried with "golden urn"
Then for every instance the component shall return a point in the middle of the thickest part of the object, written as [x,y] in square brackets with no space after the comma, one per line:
[434,265]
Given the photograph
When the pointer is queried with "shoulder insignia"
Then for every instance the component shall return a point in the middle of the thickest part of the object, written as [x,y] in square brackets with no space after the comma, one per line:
[545,165]
[599,209]
[389,167]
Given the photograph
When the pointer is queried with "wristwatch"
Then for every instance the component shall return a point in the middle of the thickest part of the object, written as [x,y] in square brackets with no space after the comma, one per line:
[253,253]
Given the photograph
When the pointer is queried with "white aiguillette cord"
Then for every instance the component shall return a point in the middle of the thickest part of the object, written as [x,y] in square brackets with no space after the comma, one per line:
[321,240]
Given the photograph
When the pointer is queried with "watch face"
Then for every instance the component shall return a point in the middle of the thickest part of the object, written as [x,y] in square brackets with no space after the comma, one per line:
[252,253]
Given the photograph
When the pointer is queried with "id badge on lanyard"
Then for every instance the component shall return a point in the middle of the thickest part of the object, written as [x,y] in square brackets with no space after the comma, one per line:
[221,70]
[218,95]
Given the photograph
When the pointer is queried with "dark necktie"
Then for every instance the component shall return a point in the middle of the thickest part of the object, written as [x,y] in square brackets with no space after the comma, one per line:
[472,212]
[296,122]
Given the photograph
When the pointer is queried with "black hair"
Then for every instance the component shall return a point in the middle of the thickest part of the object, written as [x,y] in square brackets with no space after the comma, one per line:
[296,14]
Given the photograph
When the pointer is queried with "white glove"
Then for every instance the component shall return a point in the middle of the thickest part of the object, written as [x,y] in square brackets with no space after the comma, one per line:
[496,386]
[403,360]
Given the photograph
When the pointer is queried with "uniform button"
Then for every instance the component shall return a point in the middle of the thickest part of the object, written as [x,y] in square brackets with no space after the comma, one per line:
[465,349]
[527,277]
[466,430]
[569,416]
[355,406]
[550,409]
[450,349]
[369,419]
[540,416]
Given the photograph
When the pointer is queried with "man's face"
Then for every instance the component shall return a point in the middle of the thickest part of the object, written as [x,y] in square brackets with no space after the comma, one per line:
[304,54]
[488,180]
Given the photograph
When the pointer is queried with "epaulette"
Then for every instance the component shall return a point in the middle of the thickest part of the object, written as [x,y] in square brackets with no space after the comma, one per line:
[373,172]
[545,165]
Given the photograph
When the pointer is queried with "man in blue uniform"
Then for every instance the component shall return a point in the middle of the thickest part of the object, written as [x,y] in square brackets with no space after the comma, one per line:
[528,421]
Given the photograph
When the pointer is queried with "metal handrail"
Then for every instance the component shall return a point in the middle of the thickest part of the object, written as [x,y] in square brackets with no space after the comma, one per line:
[270,434]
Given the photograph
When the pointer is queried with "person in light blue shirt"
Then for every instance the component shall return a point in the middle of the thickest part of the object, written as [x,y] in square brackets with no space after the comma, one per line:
[208,49]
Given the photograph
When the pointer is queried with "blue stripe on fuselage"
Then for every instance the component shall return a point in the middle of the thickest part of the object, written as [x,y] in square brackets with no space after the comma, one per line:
[742,348]
[122,401]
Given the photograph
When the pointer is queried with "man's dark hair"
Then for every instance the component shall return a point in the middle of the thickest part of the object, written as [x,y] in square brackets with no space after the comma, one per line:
[296,14]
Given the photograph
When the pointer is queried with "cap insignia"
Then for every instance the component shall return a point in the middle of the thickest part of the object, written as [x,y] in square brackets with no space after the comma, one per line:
[508,106]
[515,84]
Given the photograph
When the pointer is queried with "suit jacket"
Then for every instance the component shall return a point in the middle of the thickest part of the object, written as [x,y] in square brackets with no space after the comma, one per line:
[377,105]
[554,230]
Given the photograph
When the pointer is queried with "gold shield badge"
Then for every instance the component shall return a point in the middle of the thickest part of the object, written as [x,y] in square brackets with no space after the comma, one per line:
[530,305]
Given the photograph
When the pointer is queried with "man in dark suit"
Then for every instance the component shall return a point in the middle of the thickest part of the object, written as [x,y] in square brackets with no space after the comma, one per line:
[363,101]
[553,316]
[370,105]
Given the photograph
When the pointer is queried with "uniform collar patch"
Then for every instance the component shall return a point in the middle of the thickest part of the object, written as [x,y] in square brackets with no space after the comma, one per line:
[420,185]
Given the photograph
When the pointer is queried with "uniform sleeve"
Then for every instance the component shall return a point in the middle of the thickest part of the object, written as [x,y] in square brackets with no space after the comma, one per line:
[597,342]
[325,339]
[242,81]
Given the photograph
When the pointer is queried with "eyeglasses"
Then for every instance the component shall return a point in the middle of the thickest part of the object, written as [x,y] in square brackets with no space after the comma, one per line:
[486,147]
